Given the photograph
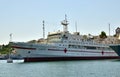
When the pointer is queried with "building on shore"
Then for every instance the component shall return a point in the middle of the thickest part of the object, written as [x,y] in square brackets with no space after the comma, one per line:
[117,31]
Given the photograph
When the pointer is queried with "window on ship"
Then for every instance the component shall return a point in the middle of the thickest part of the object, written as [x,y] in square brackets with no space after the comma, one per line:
[76,46]
[90,47]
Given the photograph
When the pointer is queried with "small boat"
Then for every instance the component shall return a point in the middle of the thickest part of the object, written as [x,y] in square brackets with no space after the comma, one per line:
[9,60]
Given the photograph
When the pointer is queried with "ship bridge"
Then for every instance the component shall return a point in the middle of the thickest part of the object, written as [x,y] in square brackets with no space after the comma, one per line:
[54,37]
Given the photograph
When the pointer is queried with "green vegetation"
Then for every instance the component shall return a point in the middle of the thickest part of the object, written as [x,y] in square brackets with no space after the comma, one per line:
[4,49]
[103,35]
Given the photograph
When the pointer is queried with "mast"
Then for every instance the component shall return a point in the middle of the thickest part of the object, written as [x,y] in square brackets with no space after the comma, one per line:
[65,23]
[109,29]
[76,26]
[9,60]
[10,37]
[43,29]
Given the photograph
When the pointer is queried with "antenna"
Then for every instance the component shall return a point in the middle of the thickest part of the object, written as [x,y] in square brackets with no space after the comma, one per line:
[43,29]
[109,29]
[76,26]
[65,17]
[10,37]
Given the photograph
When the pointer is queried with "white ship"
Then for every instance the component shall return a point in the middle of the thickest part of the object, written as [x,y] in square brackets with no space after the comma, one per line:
[62,45]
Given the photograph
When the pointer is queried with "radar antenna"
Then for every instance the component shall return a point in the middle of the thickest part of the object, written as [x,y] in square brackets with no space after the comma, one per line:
[65,23]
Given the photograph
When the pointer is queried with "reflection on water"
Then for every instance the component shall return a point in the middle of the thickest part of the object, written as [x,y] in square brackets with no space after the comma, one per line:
[91,68]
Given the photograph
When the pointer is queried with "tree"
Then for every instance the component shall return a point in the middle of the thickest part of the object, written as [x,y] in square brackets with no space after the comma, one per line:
[103,35]
[84,36]
[5,49]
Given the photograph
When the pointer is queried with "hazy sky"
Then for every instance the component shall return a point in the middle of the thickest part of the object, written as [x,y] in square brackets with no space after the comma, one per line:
[23,18]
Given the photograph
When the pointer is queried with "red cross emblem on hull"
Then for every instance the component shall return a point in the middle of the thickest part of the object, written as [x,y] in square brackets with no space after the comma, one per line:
[102,52]
[65,50]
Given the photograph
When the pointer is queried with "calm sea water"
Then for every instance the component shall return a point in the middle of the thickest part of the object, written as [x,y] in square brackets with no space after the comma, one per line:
[90,68]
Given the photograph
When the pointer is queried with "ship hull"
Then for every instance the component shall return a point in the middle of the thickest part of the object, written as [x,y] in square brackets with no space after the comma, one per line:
[32,53]
[41,59]
[51,55]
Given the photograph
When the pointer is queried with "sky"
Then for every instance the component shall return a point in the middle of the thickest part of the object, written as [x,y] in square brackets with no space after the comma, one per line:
[23,18]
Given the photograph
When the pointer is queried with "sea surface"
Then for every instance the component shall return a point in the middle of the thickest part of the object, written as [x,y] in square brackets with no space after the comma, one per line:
[84,68]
